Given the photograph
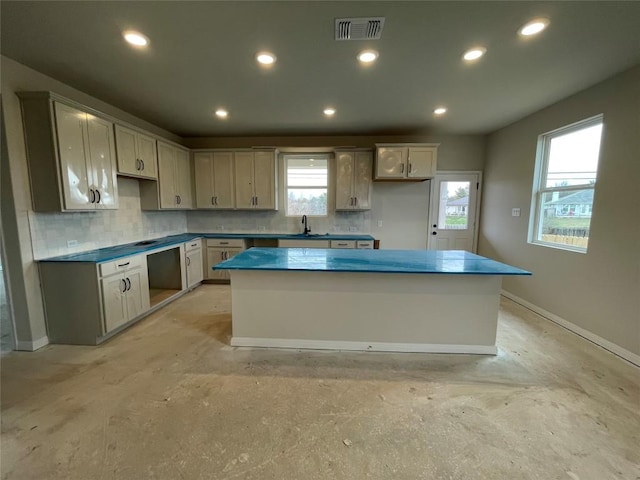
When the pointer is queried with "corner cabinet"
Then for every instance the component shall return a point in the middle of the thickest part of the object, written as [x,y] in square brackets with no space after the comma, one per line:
[414,162]
[137,154]
[173,189]
[70,153]
[214,184]
[255,180]
[354,172]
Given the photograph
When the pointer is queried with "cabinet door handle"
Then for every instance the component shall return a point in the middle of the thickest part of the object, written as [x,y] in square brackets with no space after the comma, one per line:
[188,261]
[142,162]
[216,200]
[355,201]
[213,201]
[253,200]
[129,282]
[256,201]
[224,243]
[92,196]
[410,168]
[179,199]
[99,196]
[137,164]
[124,264]
[402,168]
[124,285]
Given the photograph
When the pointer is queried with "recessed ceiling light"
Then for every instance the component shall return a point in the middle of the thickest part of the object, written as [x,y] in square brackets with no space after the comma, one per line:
[266,58]
[222,113]
[534,26]
[329,111]
[136,38]
[474,53]
[440,111]
[368,56]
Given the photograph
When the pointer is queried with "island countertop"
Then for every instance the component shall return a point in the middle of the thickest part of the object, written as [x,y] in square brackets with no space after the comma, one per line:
[368,261]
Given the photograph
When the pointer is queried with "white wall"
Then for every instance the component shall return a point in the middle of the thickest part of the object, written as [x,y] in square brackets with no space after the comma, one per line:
[598,291]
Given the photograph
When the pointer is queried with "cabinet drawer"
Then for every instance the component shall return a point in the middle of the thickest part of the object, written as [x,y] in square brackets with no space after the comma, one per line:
[226,242]
[119,265]
[193,245]
[364,244]
[343,244]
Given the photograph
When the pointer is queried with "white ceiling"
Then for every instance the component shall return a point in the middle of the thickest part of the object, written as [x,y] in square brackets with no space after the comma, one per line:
[201,57]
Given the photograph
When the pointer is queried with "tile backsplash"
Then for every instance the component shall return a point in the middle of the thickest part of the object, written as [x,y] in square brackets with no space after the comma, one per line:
[51,232]
[221,221]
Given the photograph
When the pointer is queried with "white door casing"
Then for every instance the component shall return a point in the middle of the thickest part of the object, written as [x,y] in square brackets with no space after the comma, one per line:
[453,222]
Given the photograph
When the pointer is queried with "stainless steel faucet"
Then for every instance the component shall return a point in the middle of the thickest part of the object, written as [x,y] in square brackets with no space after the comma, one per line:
[306,226]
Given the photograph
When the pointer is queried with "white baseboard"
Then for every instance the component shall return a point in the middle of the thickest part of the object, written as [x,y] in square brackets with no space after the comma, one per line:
[362,346]
[586,334]
[31,346]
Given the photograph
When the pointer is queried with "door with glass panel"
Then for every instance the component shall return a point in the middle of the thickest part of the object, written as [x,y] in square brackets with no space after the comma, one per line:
[453,211]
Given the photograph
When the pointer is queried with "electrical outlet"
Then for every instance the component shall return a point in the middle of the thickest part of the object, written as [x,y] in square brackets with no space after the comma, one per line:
[72,243]
[353,229]
[379,223]
[515,212]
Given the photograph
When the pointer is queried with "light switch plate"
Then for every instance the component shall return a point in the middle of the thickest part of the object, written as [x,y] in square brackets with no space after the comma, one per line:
[515,212]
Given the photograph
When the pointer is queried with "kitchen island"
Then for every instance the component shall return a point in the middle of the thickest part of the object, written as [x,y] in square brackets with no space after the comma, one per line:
[376,300]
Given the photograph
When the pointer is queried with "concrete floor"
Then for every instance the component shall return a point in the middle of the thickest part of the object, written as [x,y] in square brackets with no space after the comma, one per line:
[170,399]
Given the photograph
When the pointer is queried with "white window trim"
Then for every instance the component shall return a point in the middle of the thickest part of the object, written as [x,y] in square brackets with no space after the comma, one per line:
[286,157]
[540,177]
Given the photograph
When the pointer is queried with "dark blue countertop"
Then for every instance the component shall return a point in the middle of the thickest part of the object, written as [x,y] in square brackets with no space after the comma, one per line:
[119,251]
[368,261]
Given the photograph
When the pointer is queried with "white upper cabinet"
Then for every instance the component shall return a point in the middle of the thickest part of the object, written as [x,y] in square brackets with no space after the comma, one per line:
[173,188]
[137,155]
[214,180]
[354,171]
[71,156]
[255,180]
[414,162]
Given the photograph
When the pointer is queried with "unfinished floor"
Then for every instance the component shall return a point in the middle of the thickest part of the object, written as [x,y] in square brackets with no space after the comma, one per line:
[169,399]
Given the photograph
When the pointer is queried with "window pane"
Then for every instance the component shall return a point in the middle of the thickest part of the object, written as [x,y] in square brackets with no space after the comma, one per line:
[301,201]
[306,172]
[454,205]
[573,157]
[565,217]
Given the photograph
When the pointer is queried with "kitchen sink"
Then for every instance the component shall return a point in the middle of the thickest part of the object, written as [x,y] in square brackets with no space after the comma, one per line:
[146,242]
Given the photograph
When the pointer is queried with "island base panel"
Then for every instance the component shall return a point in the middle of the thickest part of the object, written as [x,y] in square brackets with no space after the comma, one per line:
[440,313]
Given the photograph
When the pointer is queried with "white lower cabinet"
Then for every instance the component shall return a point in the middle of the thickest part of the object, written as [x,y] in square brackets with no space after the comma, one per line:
[84,302]
[219,250]
[125,293]
[193,262]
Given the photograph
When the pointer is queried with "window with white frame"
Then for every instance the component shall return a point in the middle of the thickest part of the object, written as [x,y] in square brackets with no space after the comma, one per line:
[306,178]
[566,173]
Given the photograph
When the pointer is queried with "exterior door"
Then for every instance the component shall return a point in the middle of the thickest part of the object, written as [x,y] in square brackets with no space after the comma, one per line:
[453,211]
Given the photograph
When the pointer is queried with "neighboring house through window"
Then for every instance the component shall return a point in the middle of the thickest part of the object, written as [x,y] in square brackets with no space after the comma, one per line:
[306,178]
[566,173]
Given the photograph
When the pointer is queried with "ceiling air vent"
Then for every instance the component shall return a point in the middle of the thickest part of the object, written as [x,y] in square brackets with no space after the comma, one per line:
[359,28]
